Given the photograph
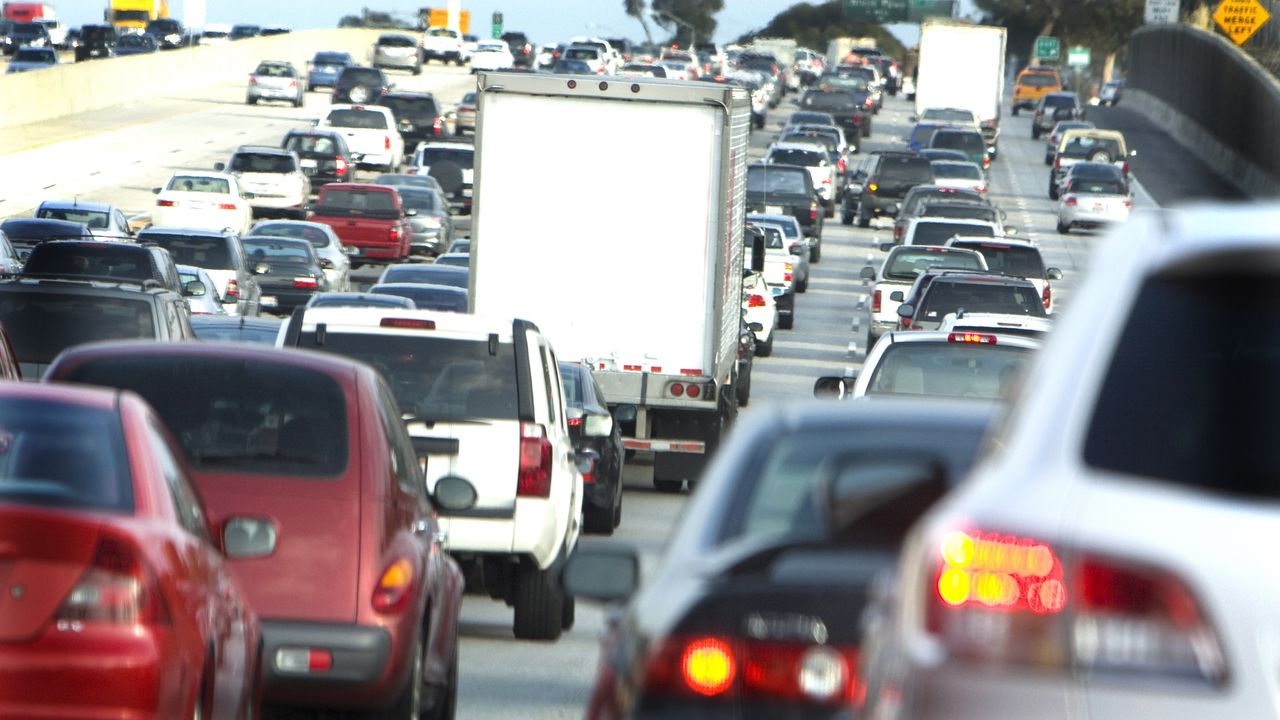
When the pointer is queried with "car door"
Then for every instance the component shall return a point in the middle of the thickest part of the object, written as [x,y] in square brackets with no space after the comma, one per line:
[562,450]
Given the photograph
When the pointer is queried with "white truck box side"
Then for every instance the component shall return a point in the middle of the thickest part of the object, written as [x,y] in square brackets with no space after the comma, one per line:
[961,66]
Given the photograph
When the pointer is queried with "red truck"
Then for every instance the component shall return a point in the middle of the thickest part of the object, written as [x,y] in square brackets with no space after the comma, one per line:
[27,11]
[370,220]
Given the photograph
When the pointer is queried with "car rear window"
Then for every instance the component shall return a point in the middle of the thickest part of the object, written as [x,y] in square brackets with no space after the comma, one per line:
[432,377]
[314,235]
[463,158]
[809,117]
[331,59]
[949,369]
[906,264]
[67,260]
[263,163]
[371,203]
[1190,394]
[437,275]
[956,170]
[1097,187]
[94,219]
[778,180]
[1059,101]
[938,233]
[1095,149]
[590,53]
[968,142]
[833,102]
[197,183]
[418,199]
[318,144]
[958,210]
[357,119]
[426,297]
[1010,259]
[212,253]
[796,157]
[235,415]
[947,115]
[1038,80]
[900,170]
[42,324]
[279,71]
[410,107]
[283,250]
[63,455]
[947,296]
[830,142]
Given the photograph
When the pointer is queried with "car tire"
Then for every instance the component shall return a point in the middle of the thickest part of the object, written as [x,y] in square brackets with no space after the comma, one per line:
[743,389]
[297,103]
[668,486]
[538,605]
[408,704]
[445,706]
[311,88]
[802,287]
[568,612]
[1063,228]
[1015,111]
[815,251]
[417,69]
[251,100]
[765,349]
[1053,189]
[846,218]
[1035,132]
[863,220]
[597,520]
[786,322]
[866,130]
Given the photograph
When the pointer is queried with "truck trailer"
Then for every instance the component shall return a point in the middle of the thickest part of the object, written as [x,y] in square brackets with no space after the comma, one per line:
[133,15]
[976,84]
[636,272]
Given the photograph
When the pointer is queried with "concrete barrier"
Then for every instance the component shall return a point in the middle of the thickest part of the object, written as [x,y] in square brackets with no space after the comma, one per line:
[42,95]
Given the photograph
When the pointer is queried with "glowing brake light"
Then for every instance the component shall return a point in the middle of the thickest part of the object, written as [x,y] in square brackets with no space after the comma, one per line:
[1071,200]
[873,187]
[305,283]
[407,323]
[233,290]
[165,203]
[394,587]
[534,476]
[340,166]
[1000,571]
[228,206]
[755,301]
[386,142]
[708,667]
[975,338]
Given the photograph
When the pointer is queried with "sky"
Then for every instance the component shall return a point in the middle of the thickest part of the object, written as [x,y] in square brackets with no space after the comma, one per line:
[543,20]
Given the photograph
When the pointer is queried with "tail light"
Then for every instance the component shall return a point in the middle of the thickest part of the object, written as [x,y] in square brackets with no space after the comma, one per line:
[972,338]
[386,142]
[1071,200]
[1125,168]
[676,389]
[394,234]
[165,203]
[1006,599]
[755,301]
[438,126]
[1127,203]
[906,322]
[740,670]
[395,587]
[857,119]
[305,283]
[787,270]
[233,290]
[840,165]
[293,83]
[253,80]
[340,166]
[876,302]
[534,478]
[1057,163]
[119,587]
[986,162]
[868,102]
[589,477]
[228,206]
[899,231]
[813,212]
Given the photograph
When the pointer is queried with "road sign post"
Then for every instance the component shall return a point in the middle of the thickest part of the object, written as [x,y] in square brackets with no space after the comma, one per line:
[1240,19]
[496,29]
[1048,48]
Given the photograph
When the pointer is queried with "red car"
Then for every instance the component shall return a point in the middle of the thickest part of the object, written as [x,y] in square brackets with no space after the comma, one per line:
[318,495]
[370,220]
[114,602]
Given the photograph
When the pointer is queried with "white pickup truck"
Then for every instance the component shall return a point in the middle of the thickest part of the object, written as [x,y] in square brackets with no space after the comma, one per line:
[370,132]
[444,44]
[898,273]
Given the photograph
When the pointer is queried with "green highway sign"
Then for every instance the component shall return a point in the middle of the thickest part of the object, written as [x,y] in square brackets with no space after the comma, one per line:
[1048,48]
[924,9]
[496,26]
[877,11]
[1078,56]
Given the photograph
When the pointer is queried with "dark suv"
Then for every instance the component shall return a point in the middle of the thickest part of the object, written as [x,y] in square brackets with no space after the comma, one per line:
[96,41]
[323,156]
[356,84]
[98,260]
[417,115]
[885,181]
[938,293]
[852,109]
[168,32]
[1053,108]
[785,190]
[521,49]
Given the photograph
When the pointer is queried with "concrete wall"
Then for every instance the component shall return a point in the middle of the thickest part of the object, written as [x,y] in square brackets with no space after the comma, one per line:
[1212,98]
[96,84]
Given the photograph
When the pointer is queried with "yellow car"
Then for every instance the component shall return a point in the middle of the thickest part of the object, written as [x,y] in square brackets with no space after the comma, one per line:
[1032,84]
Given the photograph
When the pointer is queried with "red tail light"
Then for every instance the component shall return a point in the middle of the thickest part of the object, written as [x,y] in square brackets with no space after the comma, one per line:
[755,301]
[1057,163]
[840,165]
[867,102]
[1125,168]
[253,80]
[386,142]
[438,125]
[340,166]
[1071,200]
[857,119]
[305,283]
[228,206]
[119,587]
[1127,202]
[813,214]
[677,389]
[575,422]
[534,478]
[394,234]
[986,162]
[692,391]
[293,83]
[233,290]
[395,587]
[1047,296]
[165,203]
[589,477]
[973,338]
[898,232]
[875,301]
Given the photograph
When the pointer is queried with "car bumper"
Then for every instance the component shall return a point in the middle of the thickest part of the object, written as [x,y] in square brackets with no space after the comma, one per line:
[1087,216]
[410,62]
[530,529]
[265,93]
[872,205]
[375,159]
[366,253]
[277,202]
[367,666]
[284,300]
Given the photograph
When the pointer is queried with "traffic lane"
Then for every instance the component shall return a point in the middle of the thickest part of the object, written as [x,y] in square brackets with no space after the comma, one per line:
[123,164]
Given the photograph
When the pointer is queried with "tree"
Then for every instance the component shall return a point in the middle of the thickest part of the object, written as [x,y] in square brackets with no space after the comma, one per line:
[636,9]
[1103,25]
[688,20]
[813,25]
[373,19]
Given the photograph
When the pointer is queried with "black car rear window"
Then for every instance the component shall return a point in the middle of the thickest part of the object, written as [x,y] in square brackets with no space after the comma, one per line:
[317,237]
[938,233]
[331,59]
[236,415]
[63,455]
[357,119]
[1016,260]
[211,253]
[42,324]
[411,107]
[311,144]
[1059,101]
[360,76]
[947,296]
[967,142]
[434,275]
[902,170]
[427,297]
[907,263]
[434,377]
[127,262]
[806,158]
[832,102]
[370,203]
[1096,187]
[263,163]
[463,158]
[781,181]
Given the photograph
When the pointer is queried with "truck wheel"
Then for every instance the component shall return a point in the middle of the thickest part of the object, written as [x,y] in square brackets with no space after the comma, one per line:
[1035,132]
[1063,228]
[668,486]
[744,389]
[846,217]
[251,100]
[539,605]
[802,287]
[1053,188]
[765,349]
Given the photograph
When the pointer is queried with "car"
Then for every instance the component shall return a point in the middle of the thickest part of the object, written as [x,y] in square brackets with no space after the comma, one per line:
[776,271]
[396,50]
[444,44]
[596,63]
[168,33]
[1110,93]
[760,311]
[948,116]
[325,67]
[221,254]
[215,34]
[1015,257]
[455,259]
[752,609]
[356,84]
[146,265]
[464,115]
[28,58]
[431,274]
[104,533]
[492,55]
[370,132]
[1055,136]
[371,221]
[1088,145]
[1090,171]
[96,41]
[269,30]
[1087,202]
[329,250]
[963,321]
[292,275]
[418,116]
[397,180]
[936,293]
[786,261]
[922,132]
[425,296]
[1150,611]
[7,43]
[1055,107]
[134,44]
[485,403]
[23,234]
[885,180]
[275,80]
[104,220]
[45,316]
[452,164]
[521,48]
[194,199]
[225,328]
[1033,83]
[10,263]
[966,140]
[930,230]
[461,245]
[816,161]
[895,276]
[312,481]
[962,174]
[807,117]
[785,190]
[951,209]
[201,293]
[273,177]
[932,154]
[914,201]
[30,34]
[591,426]
[245,31]
[323,155]
[852,109]
[937,364]
[831,138]
[431,223]
[636,69]
[358,300]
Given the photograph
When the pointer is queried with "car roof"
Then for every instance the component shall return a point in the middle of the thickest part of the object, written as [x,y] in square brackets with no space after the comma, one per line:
[83,395]
[1099,133]
[359,107]
[328,363]
[976,239]
[187,232]
[948,161]
[950,221]
[773,218]
[76,205]
[447,144]
[370,319]
[944,336]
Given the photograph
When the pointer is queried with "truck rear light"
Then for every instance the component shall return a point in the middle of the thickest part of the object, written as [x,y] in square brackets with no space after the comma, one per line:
[755,301]
[1003,599]
[394,234]
[305,283]
[898,232]
[875,301]
[1127,203]
[676,389]
[534,477]
[407,323]
[166,203]
[118,587]
[233,290]
[386,142]
[438,125]
[986,162]
[974,338]
[293,83]
[395,587]
[303,660]
[813,213]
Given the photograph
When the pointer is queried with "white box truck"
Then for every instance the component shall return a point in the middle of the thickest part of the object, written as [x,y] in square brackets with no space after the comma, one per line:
[962,66]
[609,212]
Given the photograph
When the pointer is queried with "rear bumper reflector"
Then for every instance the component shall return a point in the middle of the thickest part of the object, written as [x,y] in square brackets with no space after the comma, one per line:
[696,447]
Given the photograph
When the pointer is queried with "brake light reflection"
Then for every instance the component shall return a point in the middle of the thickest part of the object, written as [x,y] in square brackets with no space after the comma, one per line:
[1000,572]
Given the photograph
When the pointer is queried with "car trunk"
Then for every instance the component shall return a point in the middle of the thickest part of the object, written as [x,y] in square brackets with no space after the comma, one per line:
[265,185]
[42,556]
[279,84]
[485,452]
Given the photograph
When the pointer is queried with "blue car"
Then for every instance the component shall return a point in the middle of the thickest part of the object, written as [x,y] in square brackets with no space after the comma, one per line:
[324,68]
[921,134]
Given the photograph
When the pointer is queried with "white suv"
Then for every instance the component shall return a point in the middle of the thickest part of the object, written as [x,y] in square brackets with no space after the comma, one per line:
[445,45]
[1108,559]
[274,177]
[370,132]
[482,400]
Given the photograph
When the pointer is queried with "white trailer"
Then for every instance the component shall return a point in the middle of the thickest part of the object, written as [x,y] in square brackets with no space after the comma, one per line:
[962,66]
[609,211]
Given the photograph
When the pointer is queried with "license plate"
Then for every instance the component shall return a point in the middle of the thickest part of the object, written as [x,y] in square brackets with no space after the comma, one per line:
[773,209]
[1099,207]
[308,163]
[268,301]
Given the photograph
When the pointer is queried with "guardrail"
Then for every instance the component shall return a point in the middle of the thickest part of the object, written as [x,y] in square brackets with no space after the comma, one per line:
[1211,97]
[63,90]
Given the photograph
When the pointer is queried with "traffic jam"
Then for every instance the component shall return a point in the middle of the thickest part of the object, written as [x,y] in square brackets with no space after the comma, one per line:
[481,378]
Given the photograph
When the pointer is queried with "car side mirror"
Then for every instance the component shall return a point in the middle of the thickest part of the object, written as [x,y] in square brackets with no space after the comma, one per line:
[219,166]
[755,327]
[832,387]
[867,273]
[605,573]
[896,296]
[906,310]
[597,425]
[261,269]
[1010,230]
[248,537]
[454,494]
[194,288]
[887,246]
[1053,273]
[155,191]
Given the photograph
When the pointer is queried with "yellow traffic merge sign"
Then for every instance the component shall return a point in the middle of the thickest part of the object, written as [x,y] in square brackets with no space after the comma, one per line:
[1240,19]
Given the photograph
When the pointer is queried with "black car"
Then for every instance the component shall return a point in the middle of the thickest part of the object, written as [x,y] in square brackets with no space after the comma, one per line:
[756,609]
[417,115]
[228,328]
[521,48]
[788,190]
[136,45]
[244,32]
[885,181]
[96,41]
[431,274]
[25,233]
[323,156]
[168,32]
[30,33]
[1053,108]
[7,44]
[293,273]
[850,108]
[357,84]
[147,265]
[426,296]
[591,427]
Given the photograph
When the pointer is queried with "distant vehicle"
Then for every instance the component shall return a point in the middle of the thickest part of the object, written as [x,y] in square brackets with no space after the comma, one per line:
[950,173]
[273,177]
[332,255]
[520,47]
[325,67]
[358,300]
[931,230]
[491,55]
[425,296]
[268,30]
[455,259]
[1055,136]
[201,293]
[214,201]
[356,84]
[104,220]
[966,140]
[244,32]
[275,80]
[976,85]
[168,33]
[292,275]
[147,266]
[430,220]
[464,115]
[851,109]
[816,161]
[219,253]
[1088,145]
[96,41]
[27,59]
[417,115]
[223,328]
[133,44]
[132,16]
[1093,203]
[444,44]
[370,220]
[963,321]
[323,155]
[885,181]
[452,164]
[898,273]
[429,274]
[370,131]
[394,50]
[30,34]
[566,66]
[215,34]
[1110,93]
[1032,84]
[23,234]
[1055,107]
[638,70]
[785,190]
[592,427]
[27,11]
[936,293]
[1015,257]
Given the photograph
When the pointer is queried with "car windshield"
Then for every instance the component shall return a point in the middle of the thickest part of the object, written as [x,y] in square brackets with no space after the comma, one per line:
[275,70]
[944,297]
[904,170]
[1016,260]
[263,163]
[317,144]
[938,233]
[956,171]
[949,369]
[779,181]
[435,378]
[63,455]
[807,158]
[211,253]
[906,263]
[960,210]
[399,41]
[357,119]
[96,219]
[1086,186]
[462,157]
[199,183]
[235,415]
[331,59]
[43,324]
[317,237]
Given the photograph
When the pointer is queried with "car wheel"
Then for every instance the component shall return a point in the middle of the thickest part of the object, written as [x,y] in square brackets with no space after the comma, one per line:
[815,251]
[445,705]
[298,103]
[417,69]
[786,322]
[866,130]
[802,285]
[863,220]
[1053,189]
[743,390]
[597,520]
[251,100]
[1063,228]
[538,605]
[765,349]
[846,218]
[1035,133]
[668,486]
